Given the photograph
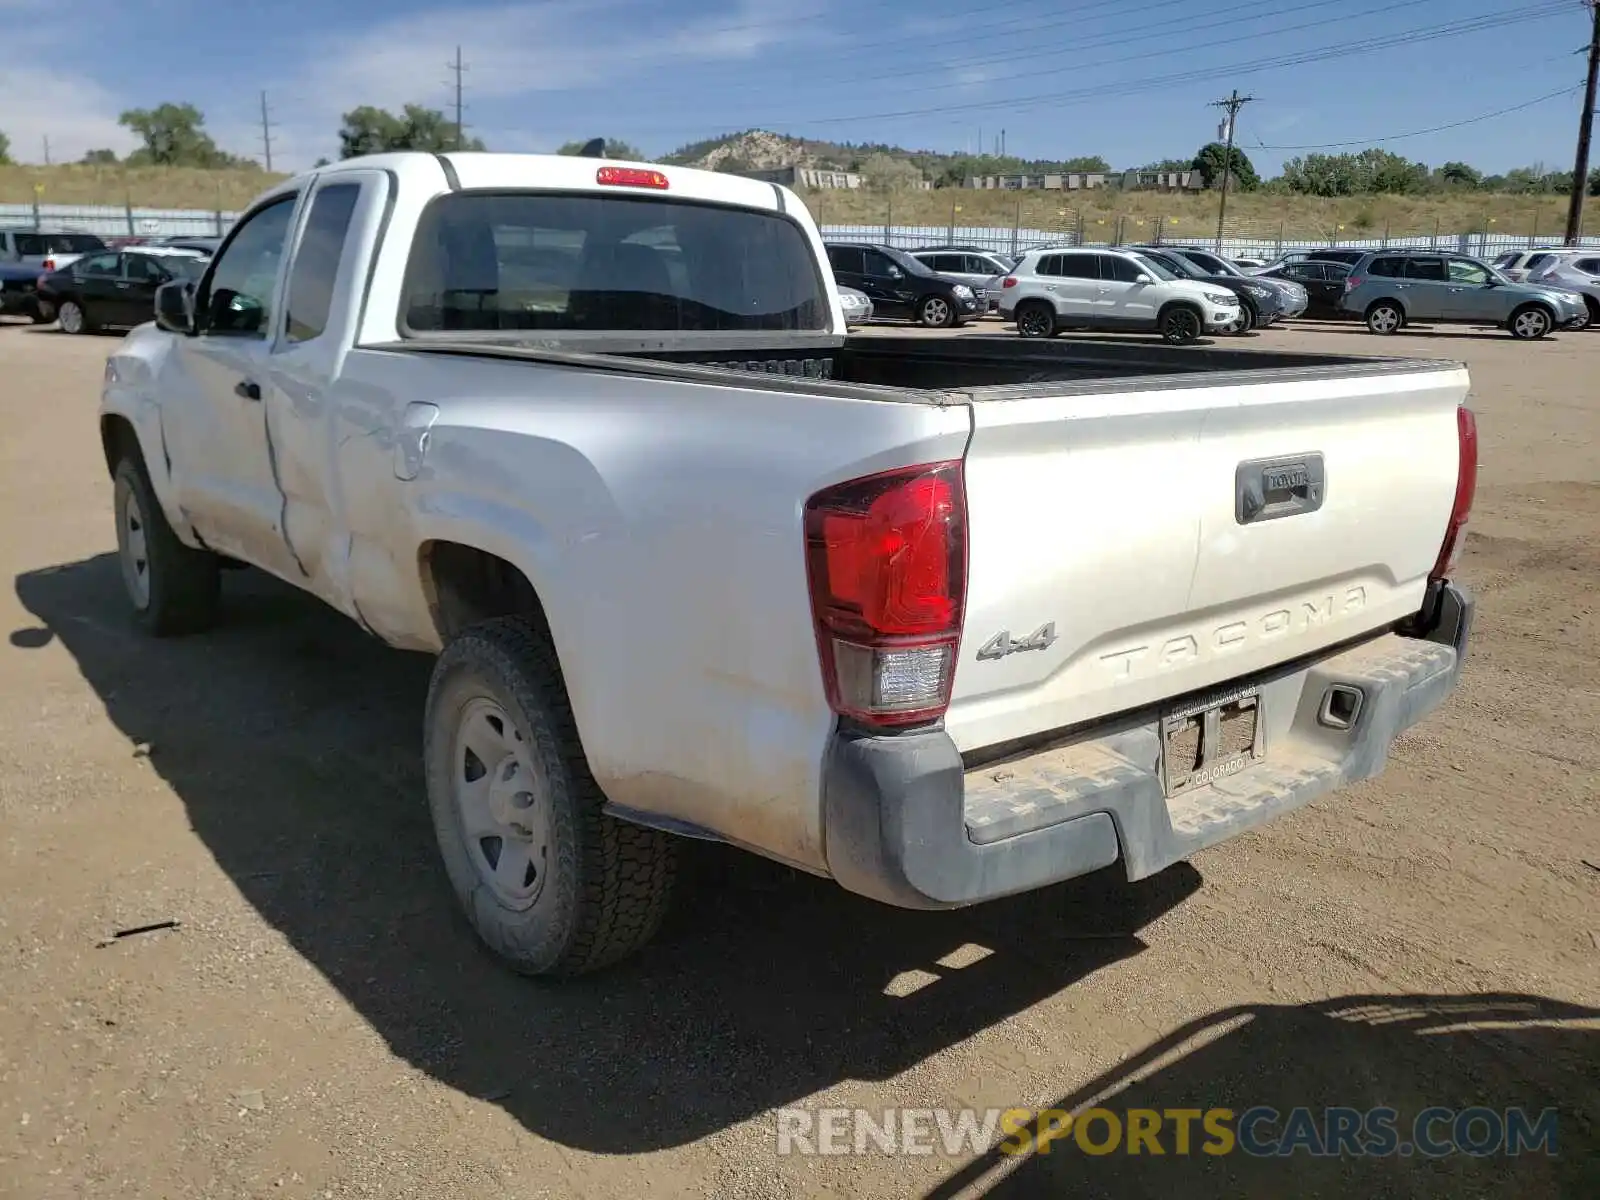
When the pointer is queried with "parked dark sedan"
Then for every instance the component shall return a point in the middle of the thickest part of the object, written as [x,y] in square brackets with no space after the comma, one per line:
[1323,282]
[1260,304]
[900,286]
[117,288]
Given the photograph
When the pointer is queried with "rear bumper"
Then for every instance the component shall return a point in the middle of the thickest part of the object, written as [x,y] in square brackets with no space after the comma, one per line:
[907,825]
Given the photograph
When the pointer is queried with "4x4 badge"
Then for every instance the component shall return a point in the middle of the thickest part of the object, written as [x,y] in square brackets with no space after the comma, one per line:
[1001,644]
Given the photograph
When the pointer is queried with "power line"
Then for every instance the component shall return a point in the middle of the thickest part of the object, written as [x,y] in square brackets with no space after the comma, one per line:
[1100,92]
[1580,163]
[1395,137]
[1231,105]
[266,132]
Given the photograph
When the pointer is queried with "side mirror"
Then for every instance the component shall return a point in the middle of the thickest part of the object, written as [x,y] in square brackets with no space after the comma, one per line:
[1141,277]
[175,307]
[896,273]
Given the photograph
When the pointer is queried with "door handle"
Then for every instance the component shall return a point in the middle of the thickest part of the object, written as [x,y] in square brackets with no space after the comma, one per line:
[121,284]
[249,389]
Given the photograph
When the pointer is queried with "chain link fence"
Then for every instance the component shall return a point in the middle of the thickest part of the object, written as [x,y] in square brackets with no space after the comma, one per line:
[1252,239]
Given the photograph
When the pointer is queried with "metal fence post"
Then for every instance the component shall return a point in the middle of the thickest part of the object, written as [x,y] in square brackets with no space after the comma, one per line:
[888,217]
[127,207]
[1016,229]
[38,190]
[1280,236]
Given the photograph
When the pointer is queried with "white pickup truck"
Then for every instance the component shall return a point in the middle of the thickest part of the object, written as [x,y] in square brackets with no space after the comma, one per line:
[942,618]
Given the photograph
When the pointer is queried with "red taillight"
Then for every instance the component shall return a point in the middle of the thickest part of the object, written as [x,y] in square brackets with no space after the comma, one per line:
[48,265]
[886,557]
[1466,489]
[631,177]
[1009,281]
[1352,282]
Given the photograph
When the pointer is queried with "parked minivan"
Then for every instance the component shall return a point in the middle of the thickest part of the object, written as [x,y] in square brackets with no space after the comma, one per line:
[1052,290]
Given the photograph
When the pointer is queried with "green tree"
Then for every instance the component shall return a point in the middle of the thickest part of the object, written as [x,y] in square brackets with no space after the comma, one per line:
[886,171]
[1460,175]
[1091,164]
[1212,159]
[1594,182]
[174,136]
[5,150]
[615,148]
[100,157]
[370,130]
[1166,165]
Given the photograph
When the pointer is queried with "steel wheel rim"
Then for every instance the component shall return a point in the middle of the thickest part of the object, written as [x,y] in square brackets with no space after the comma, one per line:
[1032,323]
[1531,324]
[1385,320]
[935,311]
[502,802]
[133,549]
[70,317]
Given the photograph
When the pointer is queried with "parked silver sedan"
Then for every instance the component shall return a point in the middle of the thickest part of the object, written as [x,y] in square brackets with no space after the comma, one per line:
[857,306]
[1392,288]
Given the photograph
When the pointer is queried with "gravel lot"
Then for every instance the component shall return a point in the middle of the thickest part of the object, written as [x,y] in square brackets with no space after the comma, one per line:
[322,1024]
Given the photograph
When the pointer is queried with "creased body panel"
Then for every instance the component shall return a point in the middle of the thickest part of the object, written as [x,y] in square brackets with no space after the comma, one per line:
[1121,521]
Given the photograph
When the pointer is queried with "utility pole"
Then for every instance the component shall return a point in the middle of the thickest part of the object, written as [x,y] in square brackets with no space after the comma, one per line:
[1580,164]
[47,149]
[459,68]
[266,133]
[1231,105]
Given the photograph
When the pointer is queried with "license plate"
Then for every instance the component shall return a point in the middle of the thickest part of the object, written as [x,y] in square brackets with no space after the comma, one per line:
[1211,739]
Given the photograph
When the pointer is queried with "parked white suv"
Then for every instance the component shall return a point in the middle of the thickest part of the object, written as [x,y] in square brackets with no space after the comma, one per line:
[1052,290]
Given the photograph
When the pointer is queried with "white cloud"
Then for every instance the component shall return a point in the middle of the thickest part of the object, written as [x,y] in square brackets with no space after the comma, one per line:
[524,50]
[76,114]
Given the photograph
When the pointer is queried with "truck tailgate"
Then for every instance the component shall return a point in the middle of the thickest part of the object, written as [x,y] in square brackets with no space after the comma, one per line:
[1133,544]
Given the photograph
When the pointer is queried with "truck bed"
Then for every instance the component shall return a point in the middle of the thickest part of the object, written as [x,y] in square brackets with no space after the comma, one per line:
[981,367]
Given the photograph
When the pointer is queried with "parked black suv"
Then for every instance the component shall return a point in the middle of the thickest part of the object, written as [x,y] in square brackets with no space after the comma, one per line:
[1260,303]
[900,286]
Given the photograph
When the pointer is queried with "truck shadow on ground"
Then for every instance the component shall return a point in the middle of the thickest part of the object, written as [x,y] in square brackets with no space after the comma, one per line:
[293,741]
[1405,1052]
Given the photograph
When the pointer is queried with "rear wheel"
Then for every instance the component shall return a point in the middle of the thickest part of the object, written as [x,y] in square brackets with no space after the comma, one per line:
[1385,317]
[42,312]
[1036,319]
[73,318]
[1180,325]
[936,312]
[1529,322]
[551,884]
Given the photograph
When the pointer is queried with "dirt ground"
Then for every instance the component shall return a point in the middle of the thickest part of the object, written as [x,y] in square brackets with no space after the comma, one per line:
[321,1023]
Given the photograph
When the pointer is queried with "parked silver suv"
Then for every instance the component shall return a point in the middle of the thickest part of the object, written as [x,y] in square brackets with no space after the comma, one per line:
[1390,289]
[980,271]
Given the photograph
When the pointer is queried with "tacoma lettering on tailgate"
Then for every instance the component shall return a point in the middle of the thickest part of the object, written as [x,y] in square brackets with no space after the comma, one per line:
[1184,648]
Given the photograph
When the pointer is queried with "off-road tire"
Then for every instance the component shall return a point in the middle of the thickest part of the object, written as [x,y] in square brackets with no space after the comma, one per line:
[609,883]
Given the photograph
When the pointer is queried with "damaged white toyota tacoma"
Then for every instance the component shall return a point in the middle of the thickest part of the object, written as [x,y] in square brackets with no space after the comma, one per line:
[943,619]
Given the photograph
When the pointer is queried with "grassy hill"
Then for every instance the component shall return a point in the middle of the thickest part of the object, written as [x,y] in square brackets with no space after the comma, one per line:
[1249,215]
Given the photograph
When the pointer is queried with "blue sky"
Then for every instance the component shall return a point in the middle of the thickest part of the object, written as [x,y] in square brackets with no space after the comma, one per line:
[1125,79]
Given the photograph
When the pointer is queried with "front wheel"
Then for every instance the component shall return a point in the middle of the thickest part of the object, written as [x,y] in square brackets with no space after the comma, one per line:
[1180,326]
[936,312]
[552,885]
[1529,323]
[173,589]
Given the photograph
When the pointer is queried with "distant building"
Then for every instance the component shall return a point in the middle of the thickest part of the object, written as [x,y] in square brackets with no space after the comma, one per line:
[1079,181]
[1162,181]
[816,178]
[1071,181]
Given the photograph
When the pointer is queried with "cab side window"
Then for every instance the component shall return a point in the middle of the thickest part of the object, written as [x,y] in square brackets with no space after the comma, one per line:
[316,260]
[238,298]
